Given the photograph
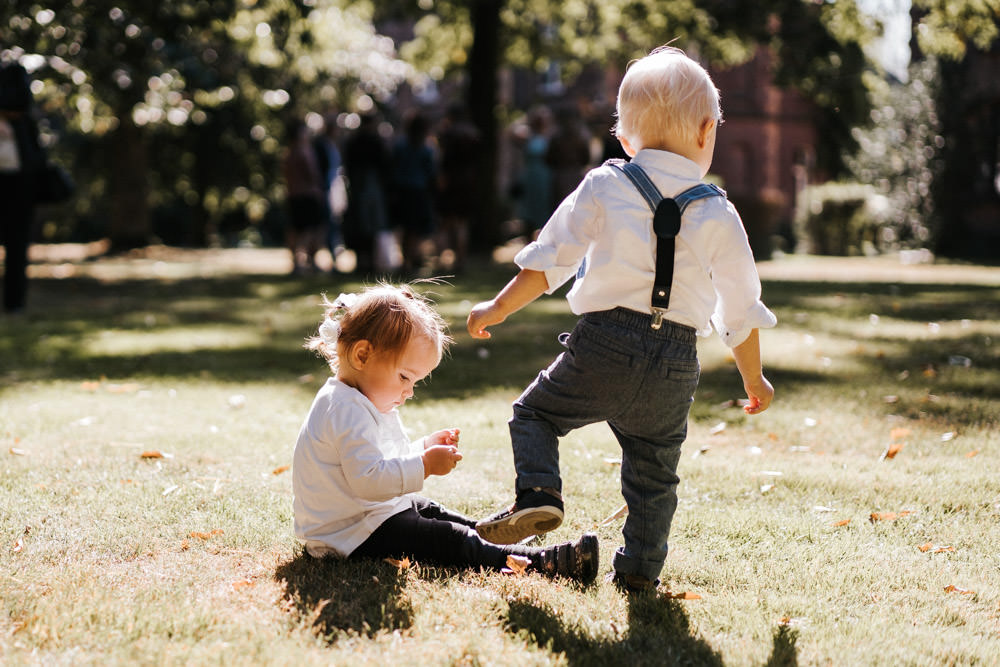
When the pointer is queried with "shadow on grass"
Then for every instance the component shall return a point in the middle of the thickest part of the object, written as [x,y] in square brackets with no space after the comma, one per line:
[659,633]
[783,653]
[341,596]
[182,328]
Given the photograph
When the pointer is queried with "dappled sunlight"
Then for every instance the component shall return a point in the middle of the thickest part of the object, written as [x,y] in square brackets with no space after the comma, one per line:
[113,343]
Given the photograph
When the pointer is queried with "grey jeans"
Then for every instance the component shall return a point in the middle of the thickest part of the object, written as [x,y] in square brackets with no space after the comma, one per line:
[641,381]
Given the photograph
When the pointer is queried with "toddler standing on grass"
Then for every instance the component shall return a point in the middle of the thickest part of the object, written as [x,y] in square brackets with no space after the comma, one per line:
[355,473]
[628,362]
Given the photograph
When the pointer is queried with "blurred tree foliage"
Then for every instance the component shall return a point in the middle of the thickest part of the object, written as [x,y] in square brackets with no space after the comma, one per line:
[819,46]
[899,156]
[178,106]
[949,28]
[932,148]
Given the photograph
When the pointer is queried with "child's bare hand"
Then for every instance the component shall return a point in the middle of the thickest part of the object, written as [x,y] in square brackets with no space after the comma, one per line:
[483,315]
[760,392]
[440,460]
[448,436]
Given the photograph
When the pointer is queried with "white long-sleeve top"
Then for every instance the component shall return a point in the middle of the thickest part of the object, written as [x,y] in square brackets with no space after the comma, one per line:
[353,468]
[602,233]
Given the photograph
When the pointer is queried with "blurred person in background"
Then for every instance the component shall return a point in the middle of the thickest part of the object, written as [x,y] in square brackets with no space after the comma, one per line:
[332,183]
[366,168]
[533,187]
[413,180]
[21,163]
[458,187]
[305,230]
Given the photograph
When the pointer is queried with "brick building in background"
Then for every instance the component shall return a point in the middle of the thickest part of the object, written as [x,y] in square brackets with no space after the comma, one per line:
[765,150]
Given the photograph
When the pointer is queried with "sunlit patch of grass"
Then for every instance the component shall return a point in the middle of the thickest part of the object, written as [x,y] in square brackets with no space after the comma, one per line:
[146,426]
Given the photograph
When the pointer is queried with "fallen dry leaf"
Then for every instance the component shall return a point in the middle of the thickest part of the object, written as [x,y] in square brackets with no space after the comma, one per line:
[151,454]
[16,451]
[955,589]
[887,516]
[718,428]
[924,548]
[90,385]
[974,452]
[617,514]
[842,522]
[892,450]
[205,536]
[518,564]
[18,545]
[280,469]
[242,583]
[687,595]
[400,564]
[185,545]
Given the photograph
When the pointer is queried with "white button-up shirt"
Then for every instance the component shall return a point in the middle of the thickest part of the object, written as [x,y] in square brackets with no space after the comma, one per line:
[352,469]
[602,233]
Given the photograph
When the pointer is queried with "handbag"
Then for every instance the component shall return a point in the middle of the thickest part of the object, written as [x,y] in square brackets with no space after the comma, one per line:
[54,185]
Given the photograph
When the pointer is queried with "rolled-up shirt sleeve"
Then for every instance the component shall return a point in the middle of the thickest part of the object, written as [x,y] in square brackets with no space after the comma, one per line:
[564,240]
[738,307]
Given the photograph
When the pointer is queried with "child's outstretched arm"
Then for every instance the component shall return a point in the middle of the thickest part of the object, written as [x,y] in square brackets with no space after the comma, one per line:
[759,390]
[524,288]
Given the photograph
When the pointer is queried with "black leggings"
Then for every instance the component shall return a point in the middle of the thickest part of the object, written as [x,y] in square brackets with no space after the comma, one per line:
[429,533]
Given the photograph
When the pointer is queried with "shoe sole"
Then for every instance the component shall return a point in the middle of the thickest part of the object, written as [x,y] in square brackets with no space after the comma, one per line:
[520,525]
[590,563]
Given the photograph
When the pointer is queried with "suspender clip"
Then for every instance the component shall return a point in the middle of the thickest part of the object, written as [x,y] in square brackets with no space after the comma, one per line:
[657,319]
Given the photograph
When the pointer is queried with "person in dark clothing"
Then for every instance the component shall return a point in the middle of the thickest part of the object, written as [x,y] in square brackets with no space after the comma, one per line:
[458,186]
[413,181]
[306,230]
[21,162]
[329,160]
[366,166]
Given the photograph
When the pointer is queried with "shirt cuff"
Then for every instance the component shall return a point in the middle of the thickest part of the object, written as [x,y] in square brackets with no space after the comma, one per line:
[758,317]
[538,257]
[413,473]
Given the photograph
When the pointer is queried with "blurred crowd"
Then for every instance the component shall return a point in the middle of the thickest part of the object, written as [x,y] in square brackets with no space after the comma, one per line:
[402,197]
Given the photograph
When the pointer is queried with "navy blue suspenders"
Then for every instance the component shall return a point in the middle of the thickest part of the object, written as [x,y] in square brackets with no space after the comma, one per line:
[666,224]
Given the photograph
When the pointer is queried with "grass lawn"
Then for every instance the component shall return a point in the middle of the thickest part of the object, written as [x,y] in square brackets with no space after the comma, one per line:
[149,405]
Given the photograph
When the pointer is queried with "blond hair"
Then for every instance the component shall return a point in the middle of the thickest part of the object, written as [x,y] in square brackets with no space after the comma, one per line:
[385,315]
[665,95]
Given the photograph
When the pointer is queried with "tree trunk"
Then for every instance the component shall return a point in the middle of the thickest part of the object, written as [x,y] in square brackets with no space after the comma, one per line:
[484,63]
[130,225]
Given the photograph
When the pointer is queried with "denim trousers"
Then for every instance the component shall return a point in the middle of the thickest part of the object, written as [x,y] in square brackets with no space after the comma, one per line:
[641,381]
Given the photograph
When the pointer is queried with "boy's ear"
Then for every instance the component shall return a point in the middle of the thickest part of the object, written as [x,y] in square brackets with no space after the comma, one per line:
[704,130]
[359,354]
[626,146]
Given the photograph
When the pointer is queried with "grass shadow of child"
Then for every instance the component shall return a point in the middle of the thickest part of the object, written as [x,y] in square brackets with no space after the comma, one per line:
[658,633]
[345,596]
